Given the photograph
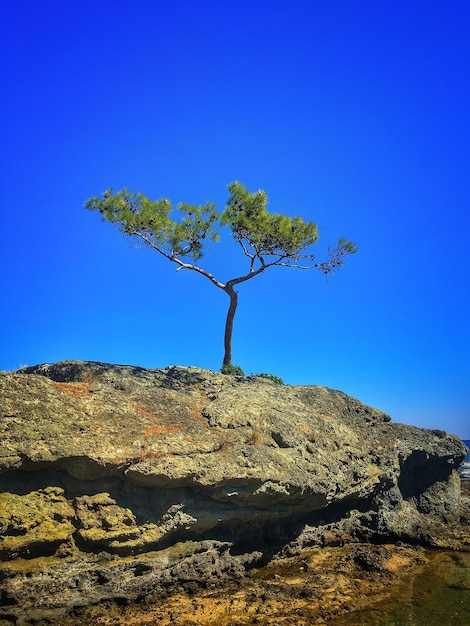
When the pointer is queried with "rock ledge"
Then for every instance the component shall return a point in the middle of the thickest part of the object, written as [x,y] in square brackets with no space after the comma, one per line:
[119,483]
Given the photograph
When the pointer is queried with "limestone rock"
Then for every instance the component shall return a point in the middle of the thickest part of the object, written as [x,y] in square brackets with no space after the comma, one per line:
[120,482]
[35,522]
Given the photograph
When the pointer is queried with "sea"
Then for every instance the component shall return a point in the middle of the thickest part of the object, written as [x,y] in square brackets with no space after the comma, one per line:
[464,469]
[439,595]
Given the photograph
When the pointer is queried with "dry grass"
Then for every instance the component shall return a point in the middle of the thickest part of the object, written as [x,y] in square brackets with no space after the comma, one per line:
[256,438]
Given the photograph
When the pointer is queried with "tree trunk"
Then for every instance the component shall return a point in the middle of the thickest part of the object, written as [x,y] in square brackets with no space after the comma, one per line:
[233,295]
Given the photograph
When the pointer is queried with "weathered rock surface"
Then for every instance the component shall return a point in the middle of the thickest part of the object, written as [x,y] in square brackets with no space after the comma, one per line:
[119,483]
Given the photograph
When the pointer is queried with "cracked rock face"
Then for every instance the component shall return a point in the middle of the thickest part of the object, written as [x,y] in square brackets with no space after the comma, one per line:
[190,476]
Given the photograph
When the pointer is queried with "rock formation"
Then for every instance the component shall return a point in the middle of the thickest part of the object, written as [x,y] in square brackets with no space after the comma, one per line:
[120,483]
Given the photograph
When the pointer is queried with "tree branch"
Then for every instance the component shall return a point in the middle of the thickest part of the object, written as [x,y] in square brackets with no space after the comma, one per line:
[252,274]
[179,262]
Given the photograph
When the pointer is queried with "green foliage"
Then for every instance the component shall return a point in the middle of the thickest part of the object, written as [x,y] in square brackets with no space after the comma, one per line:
[271,377]
[233,370]
[263,233]
[274,239]
[136,215]
[266,238]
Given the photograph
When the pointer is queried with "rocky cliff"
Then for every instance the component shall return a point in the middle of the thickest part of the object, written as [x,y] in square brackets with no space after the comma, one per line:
[120,483]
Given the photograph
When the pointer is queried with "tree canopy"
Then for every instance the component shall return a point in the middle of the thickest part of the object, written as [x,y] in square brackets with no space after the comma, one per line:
[266,239]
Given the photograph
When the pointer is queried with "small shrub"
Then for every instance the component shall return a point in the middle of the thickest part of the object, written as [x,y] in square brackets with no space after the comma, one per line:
[233,370]
[271,377]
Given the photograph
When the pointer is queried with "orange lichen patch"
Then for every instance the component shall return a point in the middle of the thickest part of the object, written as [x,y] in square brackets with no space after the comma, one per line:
[155,429]
[141,409]
[76,390]
[197,412]
[203,394]
[308,433]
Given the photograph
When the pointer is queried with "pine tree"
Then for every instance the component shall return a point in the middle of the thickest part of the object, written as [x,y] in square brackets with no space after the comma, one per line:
[266,239]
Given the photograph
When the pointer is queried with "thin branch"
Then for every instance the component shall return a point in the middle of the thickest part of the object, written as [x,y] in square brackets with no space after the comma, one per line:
[326,266]
[179,262]
[300,267]
[245,249]
[246,252]
[252,274]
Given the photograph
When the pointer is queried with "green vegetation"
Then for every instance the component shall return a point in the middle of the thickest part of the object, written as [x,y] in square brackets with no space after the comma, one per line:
[266,239]
[271,377]
[234,370]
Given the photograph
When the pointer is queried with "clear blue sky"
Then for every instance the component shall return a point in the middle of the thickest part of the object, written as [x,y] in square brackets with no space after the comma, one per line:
[352,114]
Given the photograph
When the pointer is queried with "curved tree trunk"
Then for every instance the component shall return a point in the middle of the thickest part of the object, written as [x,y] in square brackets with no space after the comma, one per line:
[233,295]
